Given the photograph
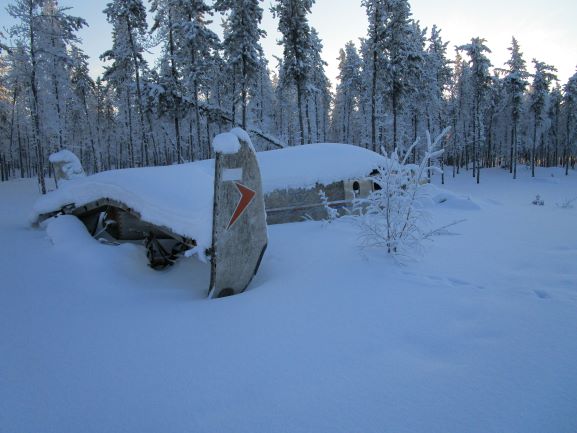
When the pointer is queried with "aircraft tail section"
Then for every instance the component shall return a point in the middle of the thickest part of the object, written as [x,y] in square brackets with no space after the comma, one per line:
[239,232]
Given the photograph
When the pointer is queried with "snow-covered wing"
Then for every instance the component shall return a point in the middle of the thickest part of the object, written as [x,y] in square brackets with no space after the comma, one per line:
[180,197]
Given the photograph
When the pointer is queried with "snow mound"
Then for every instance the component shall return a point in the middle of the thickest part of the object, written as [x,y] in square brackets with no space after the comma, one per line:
[242,135]
[67,164]
[226,143]
[449,200]
[546,180]
[311,164]
[67,231]
[178,197]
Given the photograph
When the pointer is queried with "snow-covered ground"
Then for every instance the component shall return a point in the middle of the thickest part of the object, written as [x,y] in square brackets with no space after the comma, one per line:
[478,335]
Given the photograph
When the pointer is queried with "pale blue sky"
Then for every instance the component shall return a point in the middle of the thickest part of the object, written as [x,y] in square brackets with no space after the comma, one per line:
[546,31]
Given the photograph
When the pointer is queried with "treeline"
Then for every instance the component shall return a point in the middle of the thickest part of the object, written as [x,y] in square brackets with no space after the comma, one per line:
[398,83]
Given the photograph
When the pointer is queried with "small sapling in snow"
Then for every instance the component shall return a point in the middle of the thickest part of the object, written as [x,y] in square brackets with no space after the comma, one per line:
[538,201]
[567,203]
[332,213]
[391,217]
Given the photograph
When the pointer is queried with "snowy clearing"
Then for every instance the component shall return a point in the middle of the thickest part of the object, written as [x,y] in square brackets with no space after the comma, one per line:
[477,336]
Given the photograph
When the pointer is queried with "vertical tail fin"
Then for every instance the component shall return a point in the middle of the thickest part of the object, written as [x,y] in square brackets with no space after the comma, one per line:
[239,232]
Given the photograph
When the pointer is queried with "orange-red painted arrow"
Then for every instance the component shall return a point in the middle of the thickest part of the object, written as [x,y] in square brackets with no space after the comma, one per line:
[246,197]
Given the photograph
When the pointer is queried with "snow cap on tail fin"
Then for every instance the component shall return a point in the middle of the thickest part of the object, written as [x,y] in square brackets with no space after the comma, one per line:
[66,164]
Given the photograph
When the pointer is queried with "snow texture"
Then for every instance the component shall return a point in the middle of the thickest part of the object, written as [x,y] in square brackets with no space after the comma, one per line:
[242,135]
[478,336]
[67,231]
[180,196]
[448,199]
[226,143]
[311,164]
[69,164]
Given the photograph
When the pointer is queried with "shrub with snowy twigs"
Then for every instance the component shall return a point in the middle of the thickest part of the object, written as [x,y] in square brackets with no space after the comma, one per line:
[391,217]
[332,213]
[567,203]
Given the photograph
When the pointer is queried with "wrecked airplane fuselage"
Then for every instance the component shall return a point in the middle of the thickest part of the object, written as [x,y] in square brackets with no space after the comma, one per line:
[216,208]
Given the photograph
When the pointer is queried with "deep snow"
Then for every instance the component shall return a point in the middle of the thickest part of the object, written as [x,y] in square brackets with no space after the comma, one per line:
[180,196]
[479,335]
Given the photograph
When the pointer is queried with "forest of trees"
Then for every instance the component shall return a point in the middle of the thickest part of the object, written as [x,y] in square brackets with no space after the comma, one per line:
[400,81]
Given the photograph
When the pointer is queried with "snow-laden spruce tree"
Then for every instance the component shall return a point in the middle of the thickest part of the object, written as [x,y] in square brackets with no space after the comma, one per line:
[345,117]
[374,61]
[58,30]
[319,92]
[403,42]
[297,50]
[552,151]
[437,74]
[242,47]
[480,85]
[82,108]
[189,45]
[542,79]
[261,103]
[515,85]
[44,33]
[392,217]
[129,31]
[570,105]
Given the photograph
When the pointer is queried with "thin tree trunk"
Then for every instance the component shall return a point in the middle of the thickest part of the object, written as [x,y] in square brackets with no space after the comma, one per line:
[29,166]
[534,146]
[557,117]
[567,146]
[208,137]
[57,96]
[155,151]
[317,120]
[489,162]
[197,115]
[233,108]
[144,143]
[244,92]
[478,140]
[454,145]
[344,137]
[516,149]
[511,150]
[130,143]
[308,118]
[395,117]
[474,152]
[175,80]
[12,122]
[374,96]
[38,143]
[415,123]
[299,103]
[95,165]
[190,139]
[23,169]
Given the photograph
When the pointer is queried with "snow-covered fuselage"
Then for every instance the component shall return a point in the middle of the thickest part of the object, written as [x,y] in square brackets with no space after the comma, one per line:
[177,202]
